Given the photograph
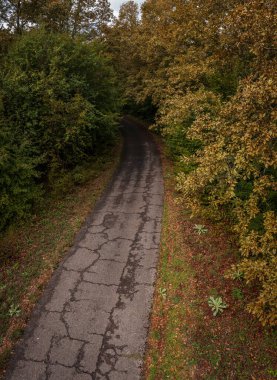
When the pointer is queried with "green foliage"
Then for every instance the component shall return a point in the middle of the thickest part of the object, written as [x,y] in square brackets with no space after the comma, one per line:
[272,372]
[14,311]
[200,229]
[236,274]
[163,293]
[61,92]
[59,106]
[18,187]
[237,294]
[217,305]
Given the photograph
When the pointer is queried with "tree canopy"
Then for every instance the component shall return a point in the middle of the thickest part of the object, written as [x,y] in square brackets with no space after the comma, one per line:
[58,96]
[76,17]
[208,68]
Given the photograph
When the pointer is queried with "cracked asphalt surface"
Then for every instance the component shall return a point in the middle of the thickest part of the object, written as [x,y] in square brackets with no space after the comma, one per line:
[92,321]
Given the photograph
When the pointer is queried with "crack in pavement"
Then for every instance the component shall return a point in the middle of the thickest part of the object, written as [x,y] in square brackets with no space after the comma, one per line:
[92,321]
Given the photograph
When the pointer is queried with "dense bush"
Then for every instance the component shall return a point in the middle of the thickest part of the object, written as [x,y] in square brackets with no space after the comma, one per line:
[18,188]
[58,106]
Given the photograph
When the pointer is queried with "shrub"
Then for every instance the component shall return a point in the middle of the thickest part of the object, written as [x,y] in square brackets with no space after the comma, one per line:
[18,187]
[60,94]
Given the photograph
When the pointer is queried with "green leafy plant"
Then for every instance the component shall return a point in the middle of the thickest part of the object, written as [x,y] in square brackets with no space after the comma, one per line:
[272,372]
[200,229]
[163,293]
[237,275]
[14,311]
[217,305]
[64,116]
[237,294]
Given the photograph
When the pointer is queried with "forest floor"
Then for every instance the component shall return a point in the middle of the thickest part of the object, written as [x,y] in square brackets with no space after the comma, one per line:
[31,251]
[186,341]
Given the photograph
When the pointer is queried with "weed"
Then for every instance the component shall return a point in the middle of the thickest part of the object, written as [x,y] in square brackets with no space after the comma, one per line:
[217,305]
[272,372]
[16,334]
[237,294]
[176,299]
[163,293]
[14,311]
[193,362]
[200,229]
[25,274]
[237,275]
[156,335]
[215,359]
[16,266]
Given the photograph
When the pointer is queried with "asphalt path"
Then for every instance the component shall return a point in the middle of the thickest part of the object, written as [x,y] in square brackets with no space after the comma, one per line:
[92,321]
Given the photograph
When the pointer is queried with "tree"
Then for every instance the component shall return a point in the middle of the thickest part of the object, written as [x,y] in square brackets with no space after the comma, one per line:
[77,17]
[121,40]
[235,171]
[15,15]
[58,106]
[208,67]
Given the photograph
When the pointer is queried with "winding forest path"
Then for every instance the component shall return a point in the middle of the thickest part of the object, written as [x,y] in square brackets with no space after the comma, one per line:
[93,319]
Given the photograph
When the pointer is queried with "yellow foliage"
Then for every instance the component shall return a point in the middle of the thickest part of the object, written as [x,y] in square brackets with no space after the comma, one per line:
[209,68]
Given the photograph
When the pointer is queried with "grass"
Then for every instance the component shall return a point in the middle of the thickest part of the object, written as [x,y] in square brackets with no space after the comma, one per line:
[30,252]
[186,341]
